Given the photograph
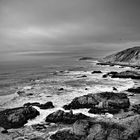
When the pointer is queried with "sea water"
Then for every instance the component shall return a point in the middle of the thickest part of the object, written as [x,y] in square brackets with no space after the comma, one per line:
[43,74]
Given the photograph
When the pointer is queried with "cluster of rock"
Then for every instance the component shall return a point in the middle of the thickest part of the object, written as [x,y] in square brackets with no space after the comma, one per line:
[46,105]
[125,124]
[127,74]
[105,102]
[64,117]
[134,90]
[101,129]
[123,74]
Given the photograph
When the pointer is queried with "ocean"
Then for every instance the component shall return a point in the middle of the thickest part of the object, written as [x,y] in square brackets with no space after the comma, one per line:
[21,68]
[41,74]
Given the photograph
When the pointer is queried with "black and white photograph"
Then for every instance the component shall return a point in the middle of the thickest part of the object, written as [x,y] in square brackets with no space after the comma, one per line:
[69,69]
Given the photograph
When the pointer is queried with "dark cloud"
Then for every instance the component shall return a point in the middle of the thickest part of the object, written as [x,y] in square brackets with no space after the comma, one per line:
[66,24]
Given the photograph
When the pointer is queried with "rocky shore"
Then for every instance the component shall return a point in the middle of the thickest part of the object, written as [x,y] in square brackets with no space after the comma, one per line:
[119,120]
[110,114]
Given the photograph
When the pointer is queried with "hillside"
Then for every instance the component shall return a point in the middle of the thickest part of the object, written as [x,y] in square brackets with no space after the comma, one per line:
[131,55]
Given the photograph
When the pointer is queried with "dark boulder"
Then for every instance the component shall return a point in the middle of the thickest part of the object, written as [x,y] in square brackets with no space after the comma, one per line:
[112,72]
[83,76]
[109,100]
[64,117]
[60,89]
[96,72]
[46,105]
[114,88]
[134,90]
[4,131]
[86,101]
[105,76]
[17,117]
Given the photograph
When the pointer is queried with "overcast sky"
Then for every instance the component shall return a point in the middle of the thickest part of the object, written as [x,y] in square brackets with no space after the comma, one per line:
[69,24]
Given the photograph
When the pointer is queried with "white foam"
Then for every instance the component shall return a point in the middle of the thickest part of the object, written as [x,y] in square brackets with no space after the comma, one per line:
[27,87]
[42,116]
[45,112]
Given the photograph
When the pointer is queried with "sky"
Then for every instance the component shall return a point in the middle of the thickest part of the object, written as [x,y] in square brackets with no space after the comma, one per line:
[69,25]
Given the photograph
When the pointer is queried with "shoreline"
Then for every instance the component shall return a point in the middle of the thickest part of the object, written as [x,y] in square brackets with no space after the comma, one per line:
[61,89]
[69,74]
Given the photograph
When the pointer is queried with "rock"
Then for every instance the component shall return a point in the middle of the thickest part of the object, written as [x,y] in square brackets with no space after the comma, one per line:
[111,65]
[37,138]
[17,117]
[64,135]
[102,128]
[127,74]
[60,89]
[96,110]
[134,90]
[112,105]
[110,100]
[103,63]
[83,76]
[132,127]
[105,76]
[80,127]
[20,92]
[130,94]
[135,108]
[24,92]
[96,132]
[32,104]
[114,135]
[4,131]
[114,88]
[64,117]
[96,72]
[109,74]
[86,101]
[47,105]
[123,115]
[39,127]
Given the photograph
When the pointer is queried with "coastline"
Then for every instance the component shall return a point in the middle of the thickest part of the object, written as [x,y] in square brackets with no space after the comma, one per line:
[61,89]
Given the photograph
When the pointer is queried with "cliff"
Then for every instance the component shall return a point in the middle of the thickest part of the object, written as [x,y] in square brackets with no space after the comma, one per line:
[130,55]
